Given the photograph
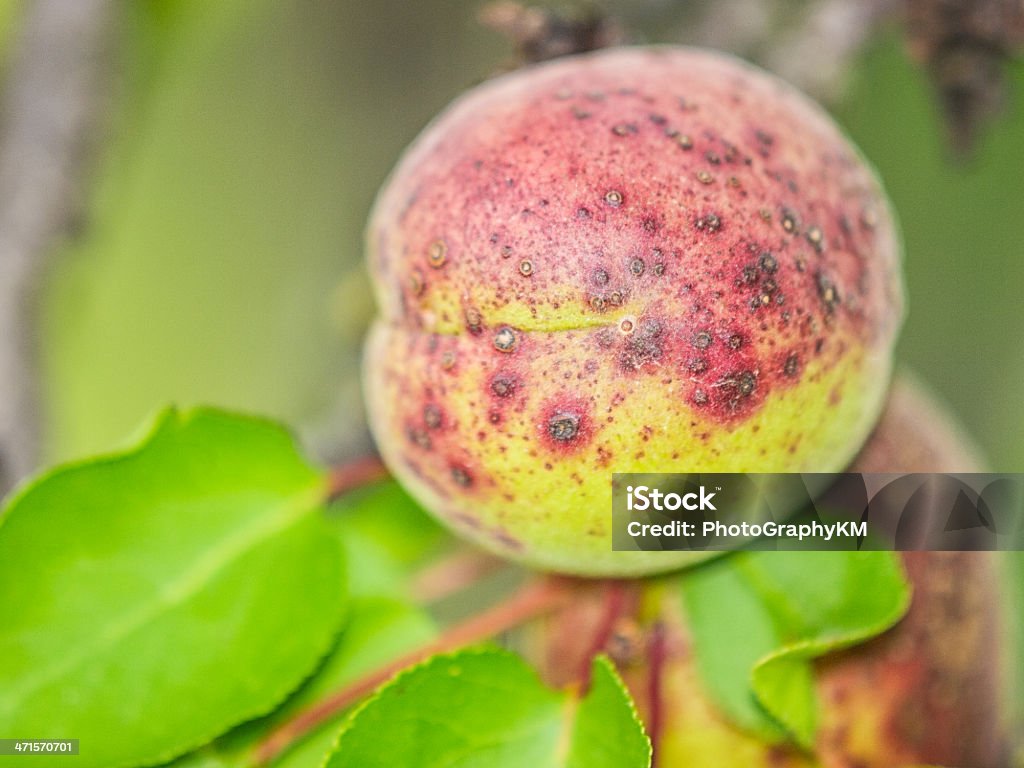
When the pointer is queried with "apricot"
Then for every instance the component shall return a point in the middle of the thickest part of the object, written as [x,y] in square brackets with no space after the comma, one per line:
[636,260]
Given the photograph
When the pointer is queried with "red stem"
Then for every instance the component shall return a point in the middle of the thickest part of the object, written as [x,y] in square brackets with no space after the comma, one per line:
[656,657]
[347,477]
[536,598]
[615,606]
[454,573]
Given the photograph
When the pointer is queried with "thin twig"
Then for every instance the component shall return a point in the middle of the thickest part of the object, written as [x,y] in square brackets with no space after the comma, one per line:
[812,44]
[535,599]
[452,574]
[53,100]
[348,477]
[614,607]
[657,652]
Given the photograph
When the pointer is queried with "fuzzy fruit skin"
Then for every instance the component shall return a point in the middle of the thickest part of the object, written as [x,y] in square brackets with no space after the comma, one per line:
[636,260]
[927,692]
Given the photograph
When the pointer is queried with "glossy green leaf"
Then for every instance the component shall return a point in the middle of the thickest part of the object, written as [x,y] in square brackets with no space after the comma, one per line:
[606,731]
[154,598]
[487,708]
[379,629]
[759,618]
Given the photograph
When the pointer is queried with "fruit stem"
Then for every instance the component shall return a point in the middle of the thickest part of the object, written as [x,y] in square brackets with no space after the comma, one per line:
[537,597]
[346,477]
[656,654]
[614,607]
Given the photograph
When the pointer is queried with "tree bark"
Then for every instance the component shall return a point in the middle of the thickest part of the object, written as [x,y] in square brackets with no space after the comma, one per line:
[52,102]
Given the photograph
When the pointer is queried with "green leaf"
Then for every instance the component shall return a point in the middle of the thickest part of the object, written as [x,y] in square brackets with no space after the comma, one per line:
[607,731]
[386,534]
[382,629]
[487,708]
[759,618]
[379,629]
[154,598]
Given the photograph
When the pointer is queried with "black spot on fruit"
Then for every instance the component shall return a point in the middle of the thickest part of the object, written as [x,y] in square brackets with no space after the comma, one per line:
[564,427]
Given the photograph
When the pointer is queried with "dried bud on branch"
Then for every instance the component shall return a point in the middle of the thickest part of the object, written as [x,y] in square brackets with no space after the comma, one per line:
[539,34]
[965,45]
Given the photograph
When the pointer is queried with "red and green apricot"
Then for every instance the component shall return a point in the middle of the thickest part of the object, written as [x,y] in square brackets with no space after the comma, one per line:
[635,260]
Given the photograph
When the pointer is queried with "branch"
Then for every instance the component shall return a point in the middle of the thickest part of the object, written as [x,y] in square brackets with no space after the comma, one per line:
[49,112]
[818,51]
[355,474]
[537,598]
[616,602]
[657,656]
[454,573]
[811,43]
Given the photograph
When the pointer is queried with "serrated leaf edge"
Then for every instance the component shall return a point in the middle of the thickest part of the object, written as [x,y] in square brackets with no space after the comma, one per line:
[279,696]
[494,651]
[357,710]
[603,662]
[160,421]
[173,415]
[164,419]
